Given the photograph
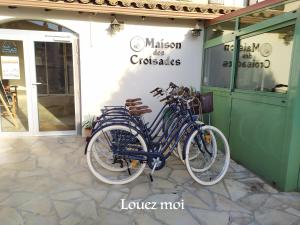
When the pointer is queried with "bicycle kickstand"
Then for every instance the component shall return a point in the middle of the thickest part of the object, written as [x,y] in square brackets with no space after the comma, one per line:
[150,175]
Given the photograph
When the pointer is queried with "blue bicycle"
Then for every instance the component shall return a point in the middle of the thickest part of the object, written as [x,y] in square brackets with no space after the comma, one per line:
[122,144]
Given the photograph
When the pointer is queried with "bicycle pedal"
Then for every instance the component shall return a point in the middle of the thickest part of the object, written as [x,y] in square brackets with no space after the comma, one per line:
[207,138]
[134,164]
[151,177]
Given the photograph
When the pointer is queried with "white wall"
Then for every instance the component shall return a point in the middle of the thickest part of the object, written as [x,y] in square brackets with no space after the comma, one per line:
[107,76]
[235,3]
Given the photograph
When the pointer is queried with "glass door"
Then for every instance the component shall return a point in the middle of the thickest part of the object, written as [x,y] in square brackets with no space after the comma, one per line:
[39,83]
[13,86]
[55,86]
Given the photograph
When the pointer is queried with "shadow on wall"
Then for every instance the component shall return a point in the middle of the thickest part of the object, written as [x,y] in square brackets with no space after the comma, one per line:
[140,78]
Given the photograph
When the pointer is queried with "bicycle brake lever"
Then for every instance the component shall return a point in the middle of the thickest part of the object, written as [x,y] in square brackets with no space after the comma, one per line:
[156,89]
[159,92]
[172,85]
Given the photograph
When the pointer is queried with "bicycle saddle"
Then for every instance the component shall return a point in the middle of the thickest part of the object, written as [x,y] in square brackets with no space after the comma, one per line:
[138,107]
[139,112]
[133,103]
[133,99]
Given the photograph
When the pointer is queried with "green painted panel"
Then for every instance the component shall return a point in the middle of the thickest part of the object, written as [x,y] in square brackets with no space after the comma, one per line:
[298,187]
[222,106]
[257,135]
[292,163]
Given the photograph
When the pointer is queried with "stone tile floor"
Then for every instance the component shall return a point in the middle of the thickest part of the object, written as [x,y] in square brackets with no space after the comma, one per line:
[45,181]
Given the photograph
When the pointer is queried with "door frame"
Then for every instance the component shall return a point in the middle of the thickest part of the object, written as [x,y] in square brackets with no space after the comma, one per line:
[28,38]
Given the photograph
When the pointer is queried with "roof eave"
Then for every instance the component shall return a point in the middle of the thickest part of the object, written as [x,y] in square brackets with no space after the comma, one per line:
[107,9]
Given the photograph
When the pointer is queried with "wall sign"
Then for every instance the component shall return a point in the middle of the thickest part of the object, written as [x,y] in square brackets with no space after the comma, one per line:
[159,47]
[9,47]
[246,52]
[10,67]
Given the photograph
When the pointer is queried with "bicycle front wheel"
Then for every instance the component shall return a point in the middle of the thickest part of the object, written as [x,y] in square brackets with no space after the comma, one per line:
[212,162]
[112,168]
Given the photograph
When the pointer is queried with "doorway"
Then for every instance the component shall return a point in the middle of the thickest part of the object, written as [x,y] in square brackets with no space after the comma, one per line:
[40,81]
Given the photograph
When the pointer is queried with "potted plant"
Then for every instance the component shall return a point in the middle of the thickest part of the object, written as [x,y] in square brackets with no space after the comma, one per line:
[87,125]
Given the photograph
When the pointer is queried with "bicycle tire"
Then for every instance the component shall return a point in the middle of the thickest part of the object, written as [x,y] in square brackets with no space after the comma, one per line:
[206,177]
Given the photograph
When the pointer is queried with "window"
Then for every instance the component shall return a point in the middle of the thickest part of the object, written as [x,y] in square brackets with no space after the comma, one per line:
[54,68]
[220,29]
[218,63]
[216,2]
[34,25]
[266,14]
[264,61]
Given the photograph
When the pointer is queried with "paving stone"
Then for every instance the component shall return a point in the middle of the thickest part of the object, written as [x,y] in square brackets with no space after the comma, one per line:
[193,201]
[140,191]
[5,146]
[125,190]
[162,183]
[237,167]
[206,196]
[228,205]
[52,161]
[29,164]
[273,203]
[207,217]
[87,209]
[163,173]
[9,157]
[113,218]
[7,184]
[66,186]
[7,174]
[33,173]
[113,198]
[95,194]
[41,206]
[31,219]
[40,149]
[293,211]
[17,199]
[175,217]
[71,220]
[236,189]
[292,199]
[63,191]
[3,196]
[274,217]
[10,216]
[144,219]
[241,218]
[254,201]
[268,188]
[180,176]
[34,185]
[63,209]
[87,221]
[69,195]
[237,175]
[218,188]
[84,178]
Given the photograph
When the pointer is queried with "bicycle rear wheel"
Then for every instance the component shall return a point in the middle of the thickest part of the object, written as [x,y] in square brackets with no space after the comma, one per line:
[212,162]
[109,167]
